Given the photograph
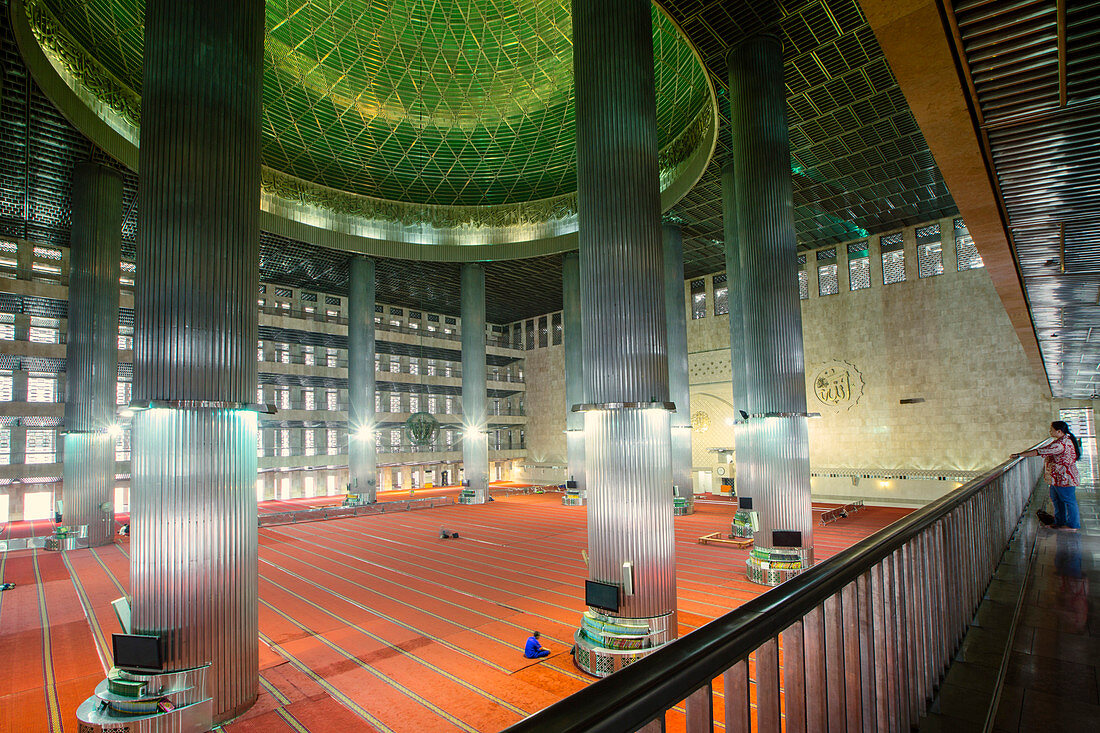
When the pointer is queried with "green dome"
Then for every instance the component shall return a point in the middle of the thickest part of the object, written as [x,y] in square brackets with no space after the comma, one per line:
[449,113]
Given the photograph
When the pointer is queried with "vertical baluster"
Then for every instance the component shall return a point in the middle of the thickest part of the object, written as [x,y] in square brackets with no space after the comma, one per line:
[853,686]
[813,642]
[910,591]
[654,726]
[835,680]
[735,684]
[767,687]
[928,627]
[941,580]
[700,710]
[867,652]
[878,646]
[896,643]
[794,677]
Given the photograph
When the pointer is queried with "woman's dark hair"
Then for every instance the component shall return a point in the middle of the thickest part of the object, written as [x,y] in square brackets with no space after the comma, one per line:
[1061,425]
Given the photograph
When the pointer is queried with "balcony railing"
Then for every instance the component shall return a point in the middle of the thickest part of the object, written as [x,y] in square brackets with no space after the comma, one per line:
[867,635]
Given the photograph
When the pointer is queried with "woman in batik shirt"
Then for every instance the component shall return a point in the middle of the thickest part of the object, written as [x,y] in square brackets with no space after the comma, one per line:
[1060,468]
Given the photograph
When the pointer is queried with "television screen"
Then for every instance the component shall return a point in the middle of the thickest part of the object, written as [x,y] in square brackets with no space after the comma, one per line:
[601,595]
[744,502]
[137,652]
[570,484]
[786,538]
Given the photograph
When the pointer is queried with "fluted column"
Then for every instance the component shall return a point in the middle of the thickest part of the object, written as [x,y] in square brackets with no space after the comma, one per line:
[193,569]
[627,434]
[91,353]
[362,458]
[777,456]
[574,367]
[475,439]
[676,324]
[737,320]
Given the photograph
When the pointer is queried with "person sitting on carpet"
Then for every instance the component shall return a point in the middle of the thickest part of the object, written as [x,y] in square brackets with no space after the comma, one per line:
[535,650]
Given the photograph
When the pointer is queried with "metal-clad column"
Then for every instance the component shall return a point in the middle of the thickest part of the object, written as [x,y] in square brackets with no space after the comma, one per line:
[777,457]
[574,367]
[193,568]
[678,365]
[362,458]
[627,435]
[737,323]
[92,351]
[475,438]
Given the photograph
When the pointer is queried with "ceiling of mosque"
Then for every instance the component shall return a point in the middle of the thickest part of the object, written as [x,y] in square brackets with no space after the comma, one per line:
[859,162]
[1034,79]
[442,103]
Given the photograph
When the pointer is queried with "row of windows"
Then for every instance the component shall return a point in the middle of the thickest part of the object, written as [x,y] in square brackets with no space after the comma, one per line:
[40,445]
[544,331]
[929,264]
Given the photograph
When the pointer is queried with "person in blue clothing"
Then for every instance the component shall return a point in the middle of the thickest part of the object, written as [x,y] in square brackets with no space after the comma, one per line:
[535,650]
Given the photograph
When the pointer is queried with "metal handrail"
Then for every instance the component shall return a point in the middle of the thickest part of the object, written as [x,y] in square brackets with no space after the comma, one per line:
[682,670]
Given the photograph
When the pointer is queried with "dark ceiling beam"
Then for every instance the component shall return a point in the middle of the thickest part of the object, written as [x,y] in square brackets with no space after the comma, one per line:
[920,50]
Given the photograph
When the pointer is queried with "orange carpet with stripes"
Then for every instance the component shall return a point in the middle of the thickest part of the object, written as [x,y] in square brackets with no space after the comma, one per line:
[375,623]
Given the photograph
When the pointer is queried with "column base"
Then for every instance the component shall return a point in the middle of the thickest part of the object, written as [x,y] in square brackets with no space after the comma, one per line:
[170,702]
[605,644]
[574,497]
[774,565]
[473,496]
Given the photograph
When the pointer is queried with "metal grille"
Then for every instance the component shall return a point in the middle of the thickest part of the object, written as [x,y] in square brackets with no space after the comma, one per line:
[893,258]
[721,295]
[556,328]
[543,333]
[698,298]
[828,282]
[893,267]
[966,253]
[803,285]
[859,266]
[929,251]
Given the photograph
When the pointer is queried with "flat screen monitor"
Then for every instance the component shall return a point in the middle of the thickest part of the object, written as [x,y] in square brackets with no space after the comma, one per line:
[786,538]
[744,502]
[138,652]
[570,484]
[601,595]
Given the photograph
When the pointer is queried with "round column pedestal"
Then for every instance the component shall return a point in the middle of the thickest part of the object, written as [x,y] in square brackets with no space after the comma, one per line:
[774,565]
[605,644]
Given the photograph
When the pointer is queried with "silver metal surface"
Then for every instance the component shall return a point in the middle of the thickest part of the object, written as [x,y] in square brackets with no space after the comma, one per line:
[627,443]
[774,466]
[89,483]
[475,441]
[193,569]
[676,325]
[193,563]
[622,270]
[362,457]
[630,506]
[91,352]
[574,365]
[735,300]
[597,406]
[1033,74]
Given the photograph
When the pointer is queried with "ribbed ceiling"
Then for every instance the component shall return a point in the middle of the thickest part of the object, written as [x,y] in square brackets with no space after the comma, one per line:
[859,162]
[1033,70]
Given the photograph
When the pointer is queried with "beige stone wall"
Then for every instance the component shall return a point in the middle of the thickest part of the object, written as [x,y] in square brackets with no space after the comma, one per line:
[944,342]
[544,373]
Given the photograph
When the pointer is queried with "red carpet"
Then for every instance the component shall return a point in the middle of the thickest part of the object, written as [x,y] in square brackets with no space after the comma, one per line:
[374,623]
